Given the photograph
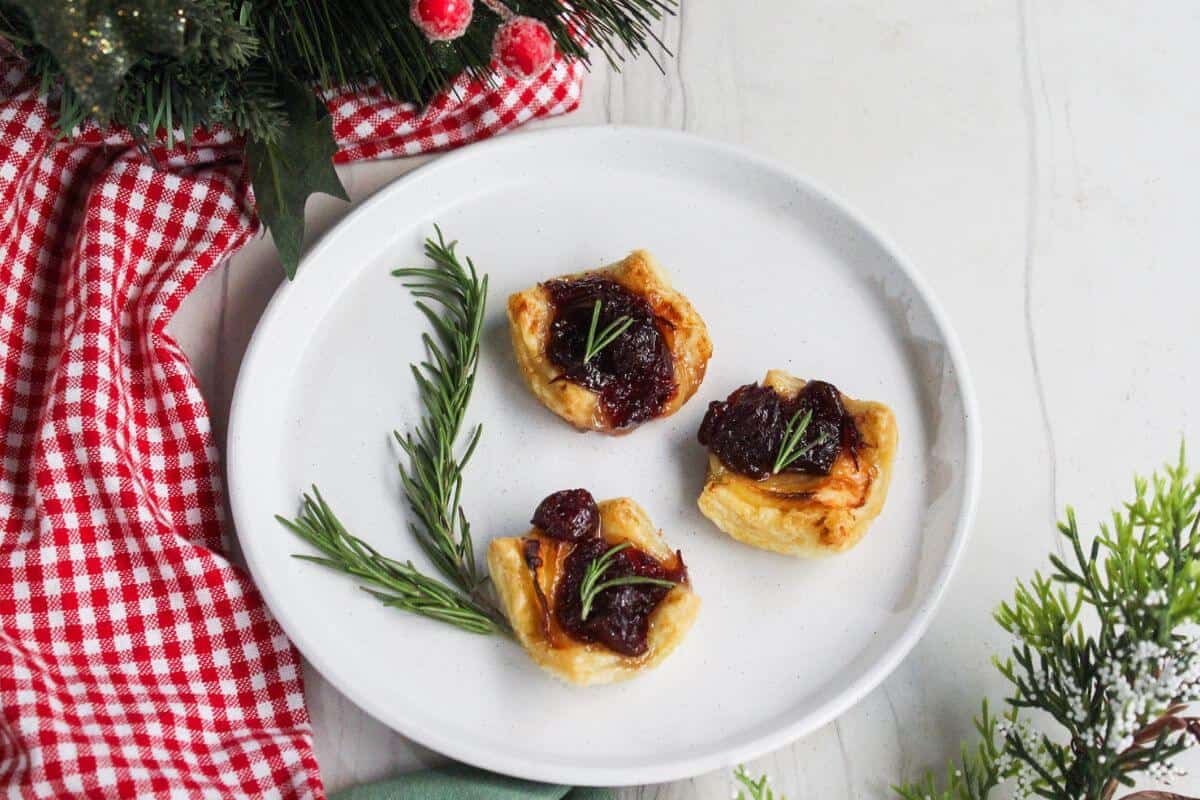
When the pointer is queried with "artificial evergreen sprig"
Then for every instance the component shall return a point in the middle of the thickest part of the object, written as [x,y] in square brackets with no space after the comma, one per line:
[974,775]
[753,788]
[157,68]
[126,56]
[1104,650]
[432,477]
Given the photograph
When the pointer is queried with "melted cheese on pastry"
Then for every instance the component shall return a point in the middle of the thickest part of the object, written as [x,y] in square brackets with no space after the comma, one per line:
[808,515]
[547,644]
[530,315]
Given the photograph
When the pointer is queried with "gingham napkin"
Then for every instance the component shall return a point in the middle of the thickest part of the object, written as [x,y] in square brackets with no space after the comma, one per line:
[135,660]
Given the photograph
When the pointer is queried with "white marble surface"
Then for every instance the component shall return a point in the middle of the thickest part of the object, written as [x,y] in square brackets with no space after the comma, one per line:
[1035,159]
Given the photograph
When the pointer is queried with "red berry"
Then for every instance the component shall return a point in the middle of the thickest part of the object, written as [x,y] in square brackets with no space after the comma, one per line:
[441,20]
[523,46]
[571,515]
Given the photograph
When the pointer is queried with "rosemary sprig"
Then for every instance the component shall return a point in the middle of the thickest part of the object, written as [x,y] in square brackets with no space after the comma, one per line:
[403,584]
[597,342]
[591,585]
[789,449]
[432,478]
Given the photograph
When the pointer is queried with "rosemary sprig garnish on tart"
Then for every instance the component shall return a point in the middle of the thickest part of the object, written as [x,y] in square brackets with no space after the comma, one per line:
[598,341]
[789,449]
[591,586]
[432,478]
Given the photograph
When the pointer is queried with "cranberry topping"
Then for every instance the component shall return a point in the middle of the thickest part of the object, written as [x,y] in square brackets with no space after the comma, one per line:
[620,615]
[569,515]
[746,430]
[635,374]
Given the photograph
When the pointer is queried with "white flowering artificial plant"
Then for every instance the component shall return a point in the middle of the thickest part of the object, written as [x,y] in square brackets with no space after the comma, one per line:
[1106,660]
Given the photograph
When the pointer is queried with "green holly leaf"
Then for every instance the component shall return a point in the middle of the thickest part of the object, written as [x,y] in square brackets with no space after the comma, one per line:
[285,172]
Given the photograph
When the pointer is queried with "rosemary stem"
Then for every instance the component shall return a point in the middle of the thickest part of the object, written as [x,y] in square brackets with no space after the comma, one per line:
[430,472]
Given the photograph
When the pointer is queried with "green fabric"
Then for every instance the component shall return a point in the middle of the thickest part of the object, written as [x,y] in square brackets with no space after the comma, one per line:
[459,782]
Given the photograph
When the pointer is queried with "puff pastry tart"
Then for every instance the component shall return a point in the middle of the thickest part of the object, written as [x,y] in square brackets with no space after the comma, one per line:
[652,365]
[593,592]
[796,467]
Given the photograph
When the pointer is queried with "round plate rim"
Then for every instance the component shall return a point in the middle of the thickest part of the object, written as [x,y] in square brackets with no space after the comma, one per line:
[679,768]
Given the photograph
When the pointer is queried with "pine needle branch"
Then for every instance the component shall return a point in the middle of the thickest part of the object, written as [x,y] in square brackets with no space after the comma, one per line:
[221,61]
[753,788]
[1105,650]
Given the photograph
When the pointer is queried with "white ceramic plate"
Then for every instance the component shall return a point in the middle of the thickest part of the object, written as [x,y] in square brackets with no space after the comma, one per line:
[785,277]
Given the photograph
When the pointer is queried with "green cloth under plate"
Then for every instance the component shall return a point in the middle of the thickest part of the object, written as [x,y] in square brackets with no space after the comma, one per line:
[459,782]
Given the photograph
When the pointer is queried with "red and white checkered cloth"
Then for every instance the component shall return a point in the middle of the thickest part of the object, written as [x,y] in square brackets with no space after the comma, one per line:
[135,660]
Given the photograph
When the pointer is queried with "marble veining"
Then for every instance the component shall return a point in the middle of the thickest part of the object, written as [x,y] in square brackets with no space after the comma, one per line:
[1035,97]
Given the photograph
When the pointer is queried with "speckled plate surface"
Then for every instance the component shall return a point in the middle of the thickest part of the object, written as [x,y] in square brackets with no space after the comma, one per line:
[785,277]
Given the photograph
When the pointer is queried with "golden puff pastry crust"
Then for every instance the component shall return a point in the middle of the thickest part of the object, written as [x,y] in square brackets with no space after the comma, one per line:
[808,515]
[530,314]
[576,662]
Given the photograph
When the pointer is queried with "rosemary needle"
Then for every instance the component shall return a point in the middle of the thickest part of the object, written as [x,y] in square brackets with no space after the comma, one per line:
[597,342]
[591,586]
[789,449]
[403,585]
[432,477]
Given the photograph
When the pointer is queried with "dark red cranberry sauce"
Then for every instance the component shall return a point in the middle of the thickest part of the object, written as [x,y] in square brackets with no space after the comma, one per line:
[746,431]
[620,616]
[635,374]
[570,515]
